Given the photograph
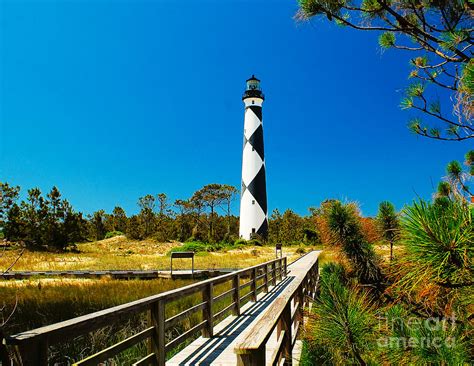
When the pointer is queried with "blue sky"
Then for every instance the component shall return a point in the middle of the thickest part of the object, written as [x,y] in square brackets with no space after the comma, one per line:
[111,100]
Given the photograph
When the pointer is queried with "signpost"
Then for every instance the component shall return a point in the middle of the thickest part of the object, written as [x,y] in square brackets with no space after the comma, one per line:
[182,255]
[278,248]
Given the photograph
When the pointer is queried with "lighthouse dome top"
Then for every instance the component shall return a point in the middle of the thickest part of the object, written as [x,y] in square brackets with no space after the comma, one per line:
[253,89]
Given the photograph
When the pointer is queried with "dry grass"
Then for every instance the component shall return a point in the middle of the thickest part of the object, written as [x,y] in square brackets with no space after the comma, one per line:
[121,253]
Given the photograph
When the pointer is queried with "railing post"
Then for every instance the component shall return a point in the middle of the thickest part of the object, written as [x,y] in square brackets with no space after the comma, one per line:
[253,285]
[274,273]
[285,272]
[286,326]
[236,294]
[265,278]
[280,269]
[254,358]
[156,319]
[208,298]
[300,297]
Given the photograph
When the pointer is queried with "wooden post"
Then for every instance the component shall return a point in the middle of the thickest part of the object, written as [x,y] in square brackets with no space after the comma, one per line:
[236,294]
[274,273]
[286,326]
[207,314]
[156,318]
[285,271]
[253,285]
[300,298]
[4,358]
[280,269]
[254,358]
[265,278]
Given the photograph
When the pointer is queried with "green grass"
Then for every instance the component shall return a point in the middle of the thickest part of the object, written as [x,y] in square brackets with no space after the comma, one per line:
[121,253]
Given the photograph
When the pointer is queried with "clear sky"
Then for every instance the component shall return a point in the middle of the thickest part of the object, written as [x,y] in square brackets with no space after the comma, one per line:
[111,100]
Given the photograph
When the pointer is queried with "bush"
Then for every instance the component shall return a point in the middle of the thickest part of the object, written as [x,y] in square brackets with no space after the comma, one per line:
[255,242]
[195,246]
[300,250]
[240,242]
[111,234]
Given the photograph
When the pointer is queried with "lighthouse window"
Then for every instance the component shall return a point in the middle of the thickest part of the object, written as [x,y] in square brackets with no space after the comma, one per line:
[253,202]
[253,101]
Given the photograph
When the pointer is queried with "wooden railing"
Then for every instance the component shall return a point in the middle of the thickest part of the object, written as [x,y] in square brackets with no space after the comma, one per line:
[282,320]
[33,346]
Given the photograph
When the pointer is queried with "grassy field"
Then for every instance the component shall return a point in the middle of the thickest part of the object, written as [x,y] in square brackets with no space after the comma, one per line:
[121,253]
[42,301]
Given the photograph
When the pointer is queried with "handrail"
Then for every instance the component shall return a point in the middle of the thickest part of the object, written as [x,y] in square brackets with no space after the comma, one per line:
[285,314]
[33,345]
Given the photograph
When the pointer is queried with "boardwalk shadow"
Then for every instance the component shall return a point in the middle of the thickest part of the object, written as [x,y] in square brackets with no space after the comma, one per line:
[219,343]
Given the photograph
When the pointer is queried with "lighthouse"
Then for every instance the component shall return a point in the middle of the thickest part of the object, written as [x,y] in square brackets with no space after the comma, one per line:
[253,199]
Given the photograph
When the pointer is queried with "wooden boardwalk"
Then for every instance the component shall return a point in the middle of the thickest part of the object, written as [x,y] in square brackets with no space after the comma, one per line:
[117,274]
[220,349]
[252,317]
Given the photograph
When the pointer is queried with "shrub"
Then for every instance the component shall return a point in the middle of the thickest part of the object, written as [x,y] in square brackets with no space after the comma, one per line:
[255,242]
[346,231]
[346,321]
[300,250]
[240,242]
[195,246]
[311,235]
[437,267]
[255,252]
[111,234]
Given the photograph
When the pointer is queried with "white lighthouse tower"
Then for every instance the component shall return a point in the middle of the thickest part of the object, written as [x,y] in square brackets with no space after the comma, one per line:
[253,201]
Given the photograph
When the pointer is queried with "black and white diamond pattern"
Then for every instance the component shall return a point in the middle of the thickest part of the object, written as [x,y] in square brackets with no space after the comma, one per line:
[253,204]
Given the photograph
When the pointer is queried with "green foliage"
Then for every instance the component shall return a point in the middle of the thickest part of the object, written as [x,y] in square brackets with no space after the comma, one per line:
[255,242]
[345,320]
[195,246]
[388,223]
[454,169]
[387,40]
[346,231]
[42,222]
[444,189]
[440,240]
[300,250]
[111,234]
[438,37]
[240,242]
[119,219]
[455,186]
[415,90]
[98,229]
[8,197]
[470,157]
[433,341]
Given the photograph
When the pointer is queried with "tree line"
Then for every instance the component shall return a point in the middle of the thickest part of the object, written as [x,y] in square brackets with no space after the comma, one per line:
[48,221]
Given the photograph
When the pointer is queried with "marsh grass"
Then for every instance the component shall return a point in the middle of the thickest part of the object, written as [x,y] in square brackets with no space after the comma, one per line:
[121,253]
[43,301]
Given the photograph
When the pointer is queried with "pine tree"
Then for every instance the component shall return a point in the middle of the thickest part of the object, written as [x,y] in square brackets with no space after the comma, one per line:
[388,223]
